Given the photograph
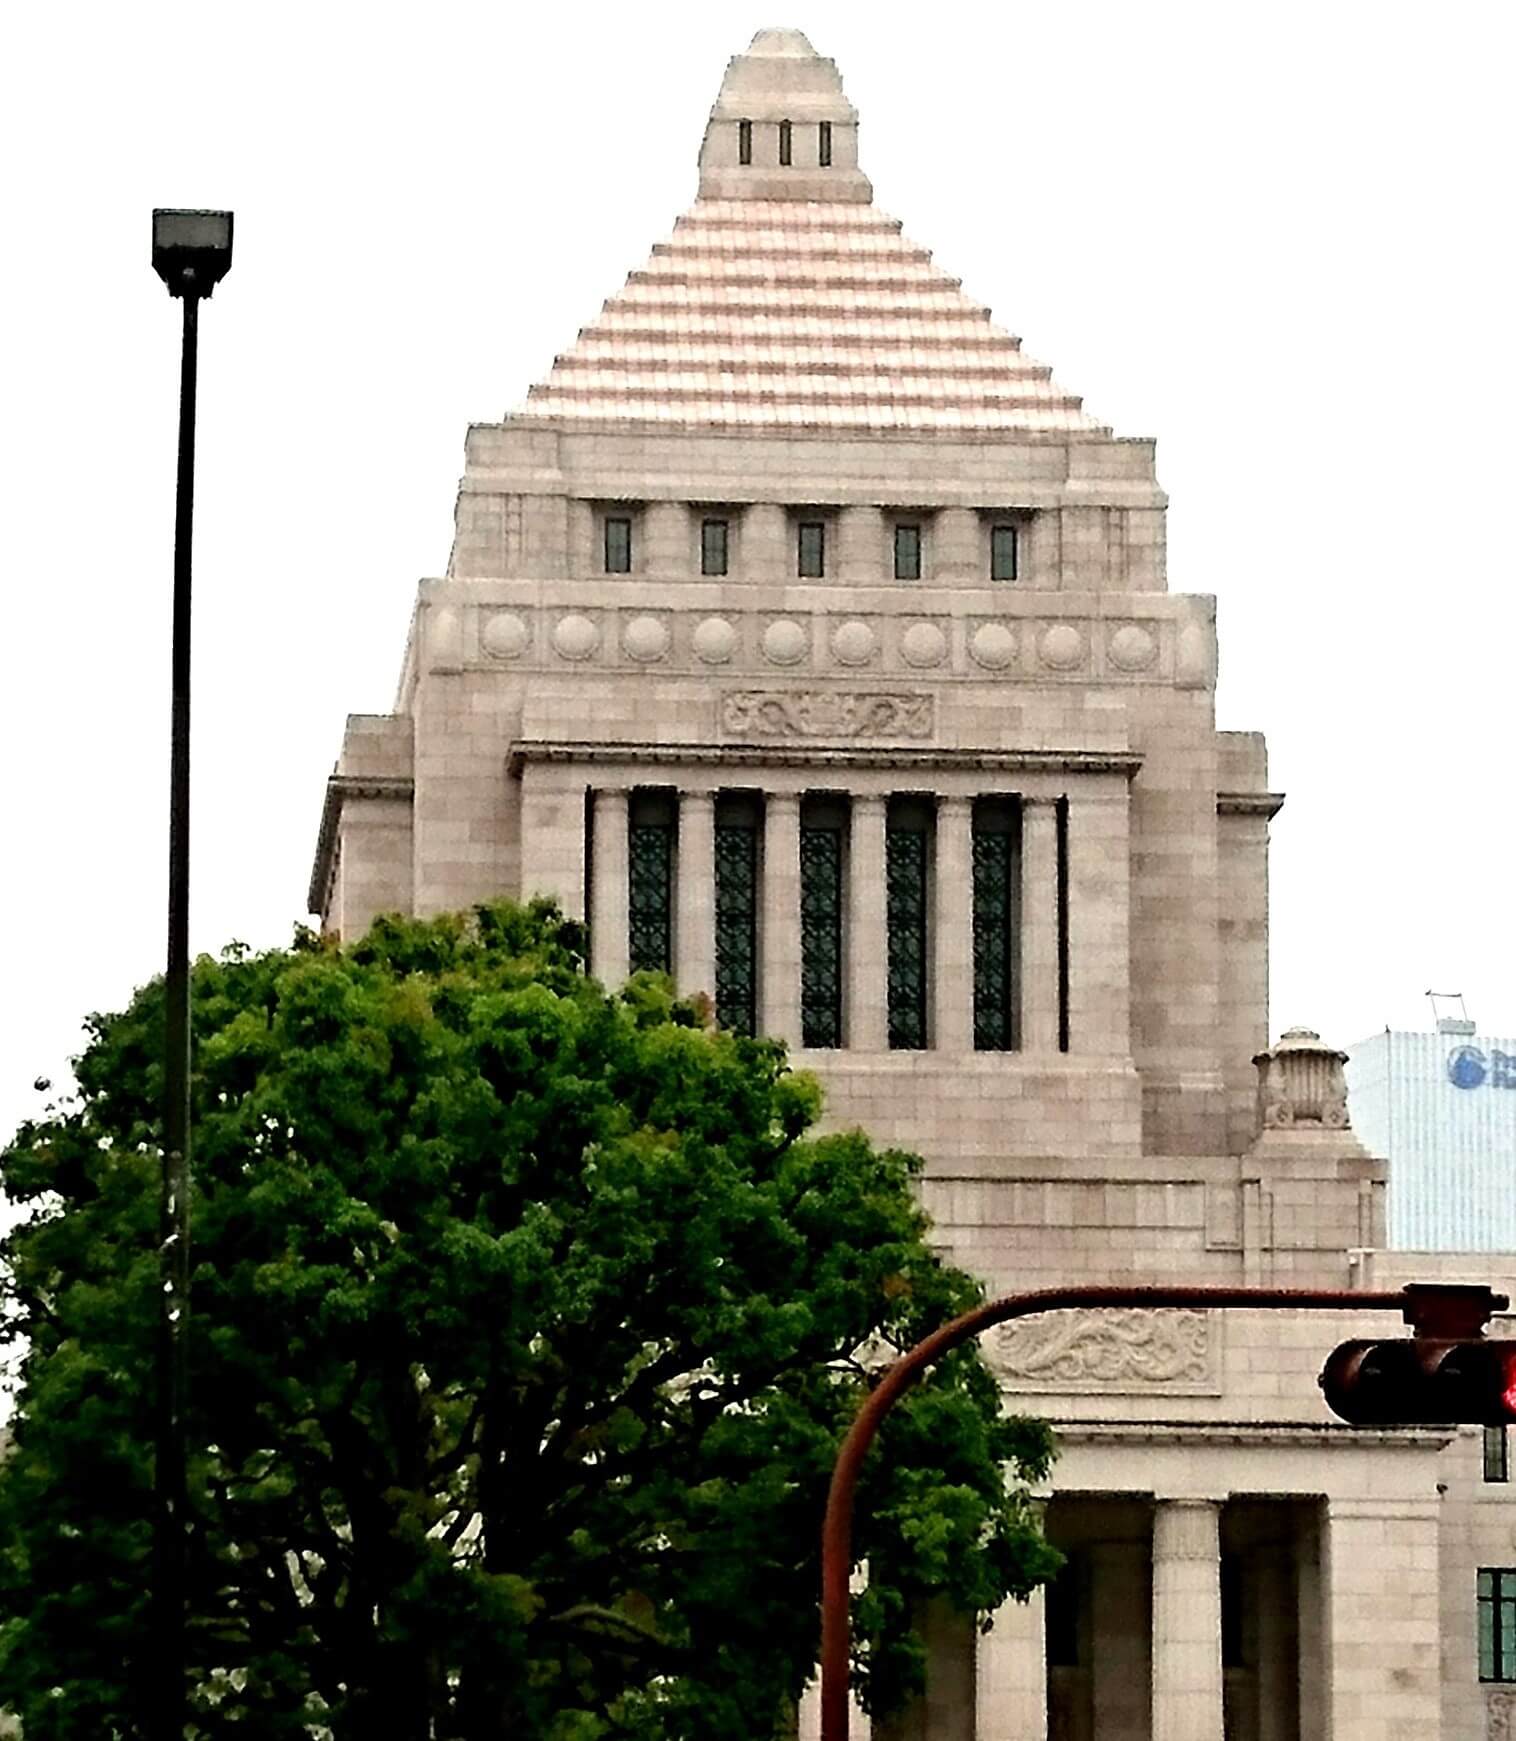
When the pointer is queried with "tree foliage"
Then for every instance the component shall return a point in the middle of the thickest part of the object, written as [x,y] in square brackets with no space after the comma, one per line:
[526,1323]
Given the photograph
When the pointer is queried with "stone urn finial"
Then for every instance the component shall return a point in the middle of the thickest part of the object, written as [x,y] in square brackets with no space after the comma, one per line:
[1301,1085]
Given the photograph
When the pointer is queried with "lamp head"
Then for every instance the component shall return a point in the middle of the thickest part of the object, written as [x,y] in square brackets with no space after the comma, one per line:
[192,251]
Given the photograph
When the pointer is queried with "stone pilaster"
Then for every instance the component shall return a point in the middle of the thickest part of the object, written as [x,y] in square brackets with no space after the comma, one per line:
[1010,1675]
[866,1023]
[1099,899]
[1383,1645]
[695,890]
[1039,924]
[609,917]
[768,544]
[780,939]
[956,552]
[953,927]
[860,555]
[666,545]
[552,836]
[1187,1683]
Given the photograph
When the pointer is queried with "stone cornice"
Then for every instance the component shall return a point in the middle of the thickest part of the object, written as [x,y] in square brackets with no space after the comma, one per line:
[770,755]
[1265,804]
[341,788]
[1305,1435]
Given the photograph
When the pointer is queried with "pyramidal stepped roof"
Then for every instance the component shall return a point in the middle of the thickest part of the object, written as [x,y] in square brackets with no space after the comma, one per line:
[785,300]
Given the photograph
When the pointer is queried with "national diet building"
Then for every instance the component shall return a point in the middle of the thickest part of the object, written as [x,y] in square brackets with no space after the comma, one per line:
[809,639]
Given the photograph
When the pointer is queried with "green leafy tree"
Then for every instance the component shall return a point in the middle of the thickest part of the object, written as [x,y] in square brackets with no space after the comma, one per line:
[527,1321]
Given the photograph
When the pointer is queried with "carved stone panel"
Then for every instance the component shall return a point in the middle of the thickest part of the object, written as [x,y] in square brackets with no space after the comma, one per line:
[1112,1352]
[1500,1717]
[800,713]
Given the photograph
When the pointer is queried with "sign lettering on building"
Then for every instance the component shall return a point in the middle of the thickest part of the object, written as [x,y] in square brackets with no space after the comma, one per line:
[1472,1067]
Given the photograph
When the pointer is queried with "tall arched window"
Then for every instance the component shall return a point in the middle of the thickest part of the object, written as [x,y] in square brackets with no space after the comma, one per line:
[786,144]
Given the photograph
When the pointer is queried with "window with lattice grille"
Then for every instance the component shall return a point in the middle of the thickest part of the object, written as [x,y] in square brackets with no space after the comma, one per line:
[650,883]
[737,836]
[996,895]
[907,849]
[821,854]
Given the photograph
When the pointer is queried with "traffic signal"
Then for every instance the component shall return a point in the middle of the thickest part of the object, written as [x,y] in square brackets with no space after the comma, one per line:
[1422,1380]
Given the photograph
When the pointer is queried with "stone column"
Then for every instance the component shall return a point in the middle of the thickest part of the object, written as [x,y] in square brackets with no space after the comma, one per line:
[780,932]
[610,919]
[552,836]
[1381,1596]
[1099,885]
[1039,924]
[1187,1678]
[866,1019]
[861,556]
[1011,1675]
[953,927]
[695,890]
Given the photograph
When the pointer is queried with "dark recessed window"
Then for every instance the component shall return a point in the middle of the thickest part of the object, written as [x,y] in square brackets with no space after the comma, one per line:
[650,883]
[744,141]
[1497,1457]
[618,545]
[738,825]
[786,144]
[997,883]
[907,848]
[1233,1597]
[1062,1611]
[1002,553]
[824,144]
[811,550]
[1497,1625]
[908,553]
[713,546]
[821,968]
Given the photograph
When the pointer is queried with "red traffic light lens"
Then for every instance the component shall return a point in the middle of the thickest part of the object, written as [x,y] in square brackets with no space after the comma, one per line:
[1413,1381]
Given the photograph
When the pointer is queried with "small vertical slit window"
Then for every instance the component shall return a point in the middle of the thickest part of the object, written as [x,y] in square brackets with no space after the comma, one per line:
[810,554]
[1497,1454]
[907,848]
[821,846]
[824,144]
[713,546]
[737,837]
[650,883]
[1003,554]
[1497,1624]
[786,144]
[997,880]
[908,551]
[1062,813]
[744,142]
[618,544]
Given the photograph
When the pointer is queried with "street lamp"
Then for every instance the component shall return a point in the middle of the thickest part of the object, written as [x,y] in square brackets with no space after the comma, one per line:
[192,253]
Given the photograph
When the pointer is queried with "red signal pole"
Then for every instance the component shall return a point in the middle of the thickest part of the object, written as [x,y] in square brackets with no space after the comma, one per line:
[1434,1313]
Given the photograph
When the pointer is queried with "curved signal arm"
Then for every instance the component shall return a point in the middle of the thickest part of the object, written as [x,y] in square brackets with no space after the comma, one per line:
[1448,1313]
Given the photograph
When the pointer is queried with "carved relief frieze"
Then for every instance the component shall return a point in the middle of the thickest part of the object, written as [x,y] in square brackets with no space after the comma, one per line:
[1500,1717]
[1121,1352]
[804,713]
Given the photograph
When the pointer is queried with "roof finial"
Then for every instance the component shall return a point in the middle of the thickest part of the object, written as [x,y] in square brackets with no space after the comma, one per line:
[782,128]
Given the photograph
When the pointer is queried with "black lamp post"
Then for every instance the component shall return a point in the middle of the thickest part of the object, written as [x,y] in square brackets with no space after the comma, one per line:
[192,253]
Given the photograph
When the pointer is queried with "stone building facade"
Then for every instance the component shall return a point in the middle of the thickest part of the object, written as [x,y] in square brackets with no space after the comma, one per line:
[807,638]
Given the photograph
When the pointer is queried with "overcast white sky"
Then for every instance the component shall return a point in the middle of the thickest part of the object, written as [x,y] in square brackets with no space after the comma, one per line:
[1276,237]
